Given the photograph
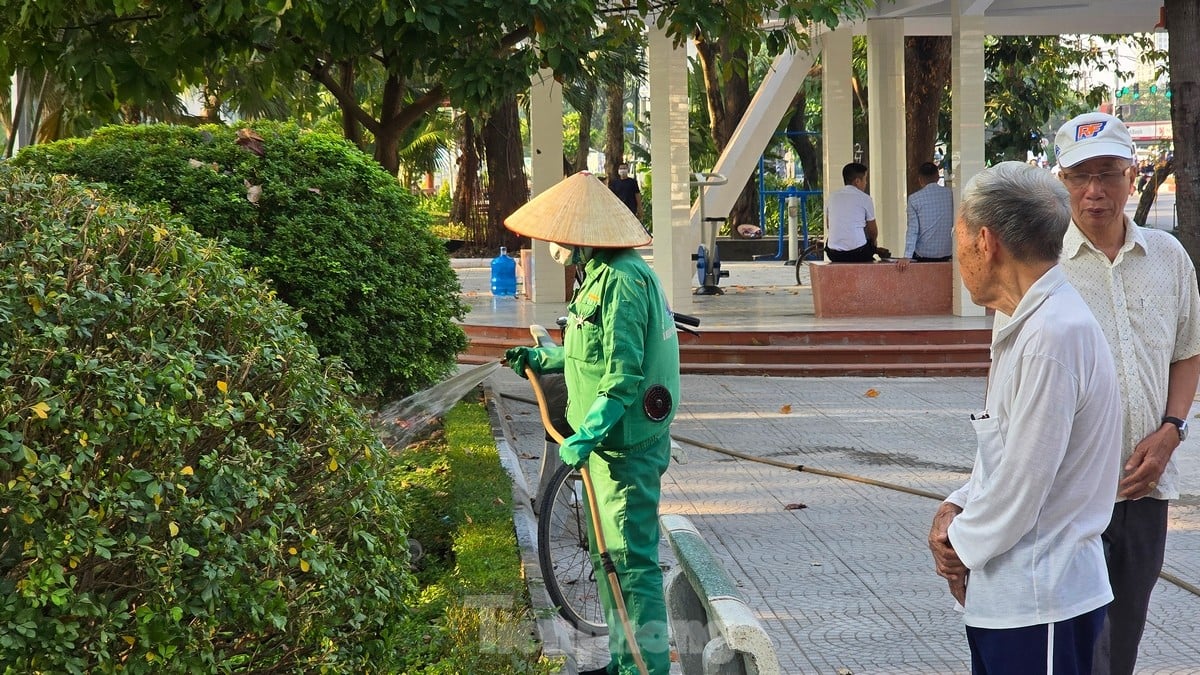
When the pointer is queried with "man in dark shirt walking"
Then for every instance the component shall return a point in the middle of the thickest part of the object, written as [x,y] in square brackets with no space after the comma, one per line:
[626,189]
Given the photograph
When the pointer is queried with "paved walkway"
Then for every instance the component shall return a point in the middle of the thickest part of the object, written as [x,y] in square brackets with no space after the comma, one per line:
[846,585]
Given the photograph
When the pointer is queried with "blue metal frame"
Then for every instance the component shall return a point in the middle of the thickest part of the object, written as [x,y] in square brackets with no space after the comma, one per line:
[782,196]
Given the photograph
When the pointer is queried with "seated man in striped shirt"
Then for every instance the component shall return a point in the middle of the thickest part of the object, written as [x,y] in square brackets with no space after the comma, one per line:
[930,220]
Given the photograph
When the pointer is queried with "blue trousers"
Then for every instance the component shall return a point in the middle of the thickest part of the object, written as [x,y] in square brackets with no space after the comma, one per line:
[1060,648]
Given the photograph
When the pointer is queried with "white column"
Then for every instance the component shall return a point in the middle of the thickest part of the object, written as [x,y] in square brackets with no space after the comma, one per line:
[885,75]
[546,150]
[21,84]
[837,107]
[674,239]
[966,137]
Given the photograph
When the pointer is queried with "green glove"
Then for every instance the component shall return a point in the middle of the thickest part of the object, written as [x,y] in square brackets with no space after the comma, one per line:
[540,359]
[520,357]
[600,418]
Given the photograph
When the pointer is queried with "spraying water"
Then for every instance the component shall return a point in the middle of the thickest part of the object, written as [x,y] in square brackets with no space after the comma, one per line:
[401,422]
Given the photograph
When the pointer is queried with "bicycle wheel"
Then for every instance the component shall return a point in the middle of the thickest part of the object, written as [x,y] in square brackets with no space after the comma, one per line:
[564,556]
[813,248]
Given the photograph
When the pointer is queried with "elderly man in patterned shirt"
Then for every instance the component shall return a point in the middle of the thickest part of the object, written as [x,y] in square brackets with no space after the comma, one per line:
[1141,286]
[930,220]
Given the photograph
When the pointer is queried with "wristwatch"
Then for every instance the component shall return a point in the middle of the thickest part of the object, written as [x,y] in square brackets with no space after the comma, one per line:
[1181,425]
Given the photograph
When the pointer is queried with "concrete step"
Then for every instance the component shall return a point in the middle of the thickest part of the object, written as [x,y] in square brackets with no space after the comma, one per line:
[796,354]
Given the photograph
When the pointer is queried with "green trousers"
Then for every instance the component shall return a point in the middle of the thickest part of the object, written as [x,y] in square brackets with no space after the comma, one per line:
[628,486]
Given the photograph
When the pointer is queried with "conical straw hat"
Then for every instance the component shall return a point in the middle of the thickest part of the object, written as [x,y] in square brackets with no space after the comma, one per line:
[579,211]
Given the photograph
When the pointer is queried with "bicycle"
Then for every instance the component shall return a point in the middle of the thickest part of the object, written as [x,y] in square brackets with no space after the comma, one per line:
[564,554]
[814,251]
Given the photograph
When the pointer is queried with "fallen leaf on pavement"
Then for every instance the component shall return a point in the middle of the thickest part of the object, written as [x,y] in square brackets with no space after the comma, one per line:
[871,393]
[795,506]
[785,409]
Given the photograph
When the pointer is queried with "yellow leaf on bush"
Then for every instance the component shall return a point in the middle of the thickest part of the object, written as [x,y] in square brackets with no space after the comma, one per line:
[83,438]
[27,518]
[292,550]
[304,566]
[129,640]
[40,409]
[222,386]
[186,471]
[174,529]
[333,464]
[35,303]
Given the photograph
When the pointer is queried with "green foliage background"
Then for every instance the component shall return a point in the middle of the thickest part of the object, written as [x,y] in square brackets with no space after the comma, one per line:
[187,487]
[339,238]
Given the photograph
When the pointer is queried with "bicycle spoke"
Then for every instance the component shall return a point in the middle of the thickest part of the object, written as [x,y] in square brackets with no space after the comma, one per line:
[565,557]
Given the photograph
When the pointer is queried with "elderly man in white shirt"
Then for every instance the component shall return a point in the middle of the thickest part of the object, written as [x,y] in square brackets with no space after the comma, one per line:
[1020,543]
[1141,285]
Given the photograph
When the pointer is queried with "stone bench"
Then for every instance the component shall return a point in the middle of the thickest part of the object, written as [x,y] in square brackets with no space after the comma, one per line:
[715,631]
[881,289]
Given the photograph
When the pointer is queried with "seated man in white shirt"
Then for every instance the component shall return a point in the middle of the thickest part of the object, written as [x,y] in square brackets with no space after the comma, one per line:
[1020,543]
[850,229]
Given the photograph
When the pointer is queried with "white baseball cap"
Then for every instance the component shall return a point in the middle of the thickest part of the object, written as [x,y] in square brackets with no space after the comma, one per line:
[1092,135]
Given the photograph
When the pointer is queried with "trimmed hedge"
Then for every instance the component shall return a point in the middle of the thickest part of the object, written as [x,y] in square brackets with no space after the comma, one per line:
[339,238]
[187,486]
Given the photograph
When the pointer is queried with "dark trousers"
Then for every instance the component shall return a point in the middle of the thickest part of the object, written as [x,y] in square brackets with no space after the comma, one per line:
[864,253]
[1060,648]
[1133,546]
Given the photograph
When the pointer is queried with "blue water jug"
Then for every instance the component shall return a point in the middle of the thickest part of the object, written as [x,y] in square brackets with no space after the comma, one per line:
[504,274]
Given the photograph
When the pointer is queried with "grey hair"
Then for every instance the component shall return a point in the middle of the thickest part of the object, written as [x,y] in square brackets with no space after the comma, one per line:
[1025,206]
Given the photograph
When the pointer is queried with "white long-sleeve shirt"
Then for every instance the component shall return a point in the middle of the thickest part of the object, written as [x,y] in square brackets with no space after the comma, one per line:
[1045,474]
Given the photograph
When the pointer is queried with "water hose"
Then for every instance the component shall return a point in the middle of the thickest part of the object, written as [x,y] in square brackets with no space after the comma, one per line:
[1165,576]
[610,569]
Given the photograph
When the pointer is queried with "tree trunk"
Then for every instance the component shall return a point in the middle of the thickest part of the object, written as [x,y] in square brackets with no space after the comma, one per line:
[727,102]
[508,188]
[585,130]
[387,148]
[1183,24]
[806,150]
[467,190]
[926,74]
[614,128]
[391,126]
[1150,191]
[351,129]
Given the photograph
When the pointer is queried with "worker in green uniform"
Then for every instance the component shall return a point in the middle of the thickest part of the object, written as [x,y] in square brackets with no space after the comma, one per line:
[620,358]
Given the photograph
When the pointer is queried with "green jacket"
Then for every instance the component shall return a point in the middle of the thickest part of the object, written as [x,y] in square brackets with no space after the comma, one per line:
[620,341]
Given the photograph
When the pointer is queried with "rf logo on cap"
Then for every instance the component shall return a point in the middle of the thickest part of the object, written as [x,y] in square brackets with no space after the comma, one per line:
[1089,130]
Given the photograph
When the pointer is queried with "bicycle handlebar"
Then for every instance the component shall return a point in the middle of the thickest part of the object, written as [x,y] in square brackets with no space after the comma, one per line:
[684,322]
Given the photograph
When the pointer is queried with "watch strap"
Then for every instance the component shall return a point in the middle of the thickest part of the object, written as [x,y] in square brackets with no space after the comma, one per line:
[1180,425]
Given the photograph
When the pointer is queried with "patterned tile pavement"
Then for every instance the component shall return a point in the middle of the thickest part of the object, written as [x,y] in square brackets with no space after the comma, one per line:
[846,585]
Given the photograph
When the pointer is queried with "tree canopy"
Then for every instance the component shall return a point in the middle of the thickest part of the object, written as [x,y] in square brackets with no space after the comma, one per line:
[471,54]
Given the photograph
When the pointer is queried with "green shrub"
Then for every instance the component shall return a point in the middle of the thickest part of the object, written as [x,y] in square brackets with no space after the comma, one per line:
[187,487]
[340,239]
